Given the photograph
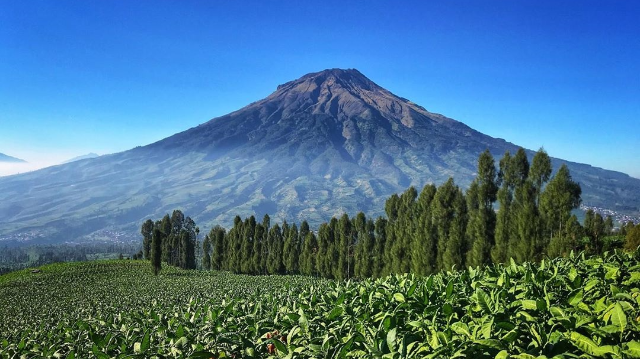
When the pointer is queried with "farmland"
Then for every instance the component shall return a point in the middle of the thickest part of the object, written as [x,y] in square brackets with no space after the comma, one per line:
[569,307]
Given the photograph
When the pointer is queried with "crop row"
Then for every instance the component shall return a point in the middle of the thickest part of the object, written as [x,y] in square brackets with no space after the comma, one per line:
[573,307]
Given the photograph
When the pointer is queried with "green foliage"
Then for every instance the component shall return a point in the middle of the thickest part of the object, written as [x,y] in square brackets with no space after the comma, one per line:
[565,308]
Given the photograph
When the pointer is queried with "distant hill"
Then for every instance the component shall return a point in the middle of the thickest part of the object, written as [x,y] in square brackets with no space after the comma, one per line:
[326,143]
[83,157]
[5,158]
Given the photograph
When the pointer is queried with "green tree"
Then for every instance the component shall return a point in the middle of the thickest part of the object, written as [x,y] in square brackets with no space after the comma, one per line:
[291,250]
[156,250]
[540,172]
[632,238]
[147,235]
[482,219]
[308,255]
[379,246]
[206,253]
[275,243]
[217,237]
[345,241]
[456,247]
[248,237]
[423,246]
[442,214]
[557,200]
[507,178]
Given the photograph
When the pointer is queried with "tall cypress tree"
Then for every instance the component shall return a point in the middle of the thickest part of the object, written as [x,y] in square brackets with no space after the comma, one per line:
[167,245]
[323,251]
[291,250]
[424,245]
[526,223]
[147,233]
[274,260]
[520,168]
[558,199]
[257,251]
[482,225]
[453,255]
[507,178]
[308,255]
[540,172]
[379,246]
[248,235]
[344,266]
[217,237]
[442,213]
[206,254]
[156,250]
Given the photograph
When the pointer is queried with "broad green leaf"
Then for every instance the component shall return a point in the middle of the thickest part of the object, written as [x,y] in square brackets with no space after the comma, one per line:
[399,297]
[391,339]
[618,317]
[575,297]
[583,343]
[632,349]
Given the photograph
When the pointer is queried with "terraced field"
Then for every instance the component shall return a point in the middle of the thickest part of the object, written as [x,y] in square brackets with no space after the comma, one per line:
[565,308]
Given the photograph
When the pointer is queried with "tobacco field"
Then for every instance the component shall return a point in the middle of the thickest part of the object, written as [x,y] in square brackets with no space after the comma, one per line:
[563,308]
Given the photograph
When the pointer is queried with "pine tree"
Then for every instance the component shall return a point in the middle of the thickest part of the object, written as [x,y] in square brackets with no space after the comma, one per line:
[481,228]
[248,235]
[442,213]
[558,199]
[323,251]
[453,257]
[206,254]
[379,246]
[217,237]
[275,243]
[308,255]
[525,223]
[507,178]
[156,250]
[540,172]
[424,246]
[520,170]
[257,251]
[291,250]
[147,234]
[344,242]
[167,245]
[608,226]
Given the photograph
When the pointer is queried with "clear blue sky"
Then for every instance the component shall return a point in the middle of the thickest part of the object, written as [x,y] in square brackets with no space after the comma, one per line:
[106,76]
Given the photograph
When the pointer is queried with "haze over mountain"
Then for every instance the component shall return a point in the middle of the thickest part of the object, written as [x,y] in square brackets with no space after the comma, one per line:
[7,158]
[83,157]
[326,143]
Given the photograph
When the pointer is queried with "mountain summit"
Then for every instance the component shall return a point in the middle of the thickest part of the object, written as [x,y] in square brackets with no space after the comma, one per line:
[327,143]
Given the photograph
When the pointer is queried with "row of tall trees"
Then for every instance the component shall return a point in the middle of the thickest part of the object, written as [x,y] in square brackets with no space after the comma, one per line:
[172,240]
[437,229]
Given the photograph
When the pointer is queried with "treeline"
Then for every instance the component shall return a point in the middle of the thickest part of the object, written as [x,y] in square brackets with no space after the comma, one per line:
[172,240]
[438,228]
[20,257]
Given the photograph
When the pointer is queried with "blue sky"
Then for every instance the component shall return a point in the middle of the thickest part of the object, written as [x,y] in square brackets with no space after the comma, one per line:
[90,76]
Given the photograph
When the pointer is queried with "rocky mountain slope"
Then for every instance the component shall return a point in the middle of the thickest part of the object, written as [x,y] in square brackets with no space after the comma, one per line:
[329,142]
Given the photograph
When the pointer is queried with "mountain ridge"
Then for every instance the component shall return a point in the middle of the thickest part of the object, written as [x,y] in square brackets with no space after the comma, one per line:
[329,142]
[10,159]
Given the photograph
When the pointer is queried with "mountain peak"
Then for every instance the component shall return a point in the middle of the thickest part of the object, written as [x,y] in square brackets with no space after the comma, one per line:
[331,77]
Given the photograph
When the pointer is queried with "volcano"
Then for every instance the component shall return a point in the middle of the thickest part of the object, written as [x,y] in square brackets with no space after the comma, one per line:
[327,143]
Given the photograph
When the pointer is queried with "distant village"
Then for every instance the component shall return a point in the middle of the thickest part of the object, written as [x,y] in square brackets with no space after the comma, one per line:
[618,218]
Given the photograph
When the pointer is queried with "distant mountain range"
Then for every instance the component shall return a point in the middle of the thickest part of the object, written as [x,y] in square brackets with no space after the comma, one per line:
[326,143]
[83,157]
[6,158]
